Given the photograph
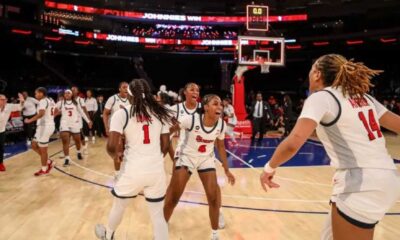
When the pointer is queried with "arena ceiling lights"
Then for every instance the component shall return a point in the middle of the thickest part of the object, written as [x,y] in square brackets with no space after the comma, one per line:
[167,17]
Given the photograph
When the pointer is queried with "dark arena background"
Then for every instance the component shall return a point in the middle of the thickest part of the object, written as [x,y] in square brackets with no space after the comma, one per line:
[96,44]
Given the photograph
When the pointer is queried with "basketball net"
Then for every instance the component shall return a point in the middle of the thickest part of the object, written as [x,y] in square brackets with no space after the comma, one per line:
[264,67]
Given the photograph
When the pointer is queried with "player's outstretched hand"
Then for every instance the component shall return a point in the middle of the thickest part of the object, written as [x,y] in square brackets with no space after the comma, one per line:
[266,180]
[231,178]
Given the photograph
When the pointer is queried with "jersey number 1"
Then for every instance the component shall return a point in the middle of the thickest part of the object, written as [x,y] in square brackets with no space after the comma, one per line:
[146,139]
[371,126]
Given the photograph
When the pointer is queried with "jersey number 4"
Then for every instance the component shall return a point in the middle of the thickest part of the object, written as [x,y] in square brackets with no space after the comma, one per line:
[371,125]
[146,139]
[202,148]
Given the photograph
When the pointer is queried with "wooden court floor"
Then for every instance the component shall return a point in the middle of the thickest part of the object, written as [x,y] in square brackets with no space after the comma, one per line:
[68,203]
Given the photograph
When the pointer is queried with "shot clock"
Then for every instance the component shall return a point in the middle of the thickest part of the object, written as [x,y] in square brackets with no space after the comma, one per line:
[257,18]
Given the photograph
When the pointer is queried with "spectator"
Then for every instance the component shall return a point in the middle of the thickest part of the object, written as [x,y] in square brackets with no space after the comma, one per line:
[288,114]
[392,106]
[299,106]
[29,110]
[57,118]
[261,115]
[98,117]
[91,106]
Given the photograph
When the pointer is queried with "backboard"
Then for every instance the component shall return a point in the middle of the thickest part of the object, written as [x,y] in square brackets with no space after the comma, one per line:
[261,51]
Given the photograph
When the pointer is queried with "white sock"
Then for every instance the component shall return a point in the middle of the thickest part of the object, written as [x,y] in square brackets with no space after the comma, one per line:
[116,214]
[78,151]
[44,169]
[214,232]
[160,226]
[67,157]
[326,233]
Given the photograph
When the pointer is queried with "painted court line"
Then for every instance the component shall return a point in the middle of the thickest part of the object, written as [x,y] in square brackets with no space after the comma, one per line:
[287,179]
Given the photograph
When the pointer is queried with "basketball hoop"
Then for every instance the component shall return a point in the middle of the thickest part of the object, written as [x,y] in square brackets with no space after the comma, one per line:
[263,65]
[265,68]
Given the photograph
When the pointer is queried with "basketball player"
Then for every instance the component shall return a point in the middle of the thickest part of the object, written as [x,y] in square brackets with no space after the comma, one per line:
[81,103]
[202,131]
[5,111]
[347,120]
[231,120]
[190,105]
[113,104]
[45,128]
[145,125]
[190,94]
[91,107]
[70,125]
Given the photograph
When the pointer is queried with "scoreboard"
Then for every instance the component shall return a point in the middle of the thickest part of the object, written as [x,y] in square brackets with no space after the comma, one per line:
[257,18]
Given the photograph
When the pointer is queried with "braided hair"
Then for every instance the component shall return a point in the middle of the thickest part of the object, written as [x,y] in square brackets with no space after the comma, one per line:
[353,77]
[144,105]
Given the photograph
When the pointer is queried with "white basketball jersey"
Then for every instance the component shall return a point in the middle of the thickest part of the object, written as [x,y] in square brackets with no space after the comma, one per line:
[142,141]
[197,139]
[354,138]
[70,113]
[180,113]
[115,102]
[229,110]
[48,105]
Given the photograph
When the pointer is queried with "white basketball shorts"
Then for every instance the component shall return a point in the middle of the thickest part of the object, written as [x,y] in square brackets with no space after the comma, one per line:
[43,134]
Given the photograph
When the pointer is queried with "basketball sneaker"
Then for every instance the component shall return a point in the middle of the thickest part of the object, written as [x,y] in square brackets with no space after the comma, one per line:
[221,220]
[86,139]
[66,162]
[214,236]
[2,167]
[101,232]
[93,139]
[41,173]
[79,155]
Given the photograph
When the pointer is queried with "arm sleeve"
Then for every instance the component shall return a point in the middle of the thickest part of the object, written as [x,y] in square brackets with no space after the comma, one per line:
[109,103]
[42,104]
[118,121]
[316,106]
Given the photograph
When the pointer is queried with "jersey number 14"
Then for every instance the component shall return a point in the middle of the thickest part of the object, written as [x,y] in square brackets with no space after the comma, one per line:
[371,125]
